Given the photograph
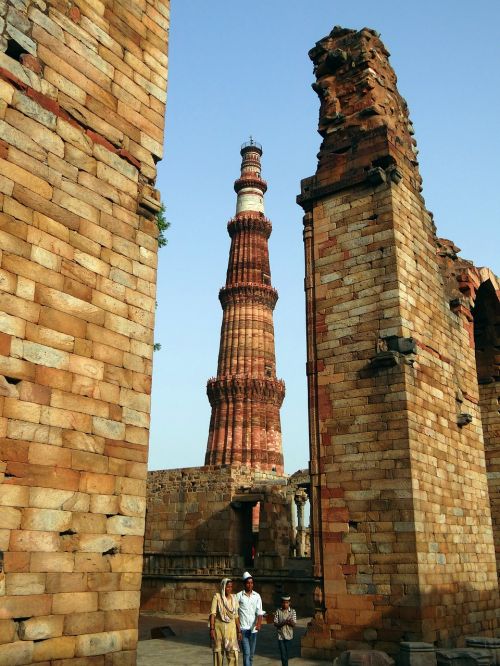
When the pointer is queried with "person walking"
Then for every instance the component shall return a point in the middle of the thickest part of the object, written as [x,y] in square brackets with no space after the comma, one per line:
[250,613]
[225,625]
[285,619]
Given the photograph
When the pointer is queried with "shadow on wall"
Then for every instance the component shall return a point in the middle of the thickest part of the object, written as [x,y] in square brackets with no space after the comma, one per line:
[431,618]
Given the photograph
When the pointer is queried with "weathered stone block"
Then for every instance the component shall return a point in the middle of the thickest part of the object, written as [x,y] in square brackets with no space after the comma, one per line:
[40,628]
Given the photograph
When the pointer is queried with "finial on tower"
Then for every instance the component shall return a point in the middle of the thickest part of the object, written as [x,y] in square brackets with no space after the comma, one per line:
[251,145]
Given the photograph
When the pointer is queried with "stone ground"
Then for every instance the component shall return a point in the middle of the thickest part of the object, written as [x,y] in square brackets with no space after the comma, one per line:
[189,644]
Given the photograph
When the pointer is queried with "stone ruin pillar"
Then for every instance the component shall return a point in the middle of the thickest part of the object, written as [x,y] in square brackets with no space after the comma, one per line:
[82,101]
[300,499]
[401,524]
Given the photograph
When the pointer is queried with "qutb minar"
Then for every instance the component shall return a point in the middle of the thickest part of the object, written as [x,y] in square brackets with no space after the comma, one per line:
[246,395]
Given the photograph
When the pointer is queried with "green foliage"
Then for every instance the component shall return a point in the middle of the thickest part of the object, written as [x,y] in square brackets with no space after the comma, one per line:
[163,225]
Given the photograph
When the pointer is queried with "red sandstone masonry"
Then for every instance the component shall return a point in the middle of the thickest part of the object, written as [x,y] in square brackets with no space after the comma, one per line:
[402,532]
[81,127]
[246,396]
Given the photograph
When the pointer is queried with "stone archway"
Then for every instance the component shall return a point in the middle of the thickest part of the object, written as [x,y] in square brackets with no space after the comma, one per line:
[486,318]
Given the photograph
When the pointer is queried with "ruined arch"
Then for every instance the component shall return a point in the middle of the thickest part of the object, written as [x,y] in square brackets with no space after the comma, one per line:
[486,318]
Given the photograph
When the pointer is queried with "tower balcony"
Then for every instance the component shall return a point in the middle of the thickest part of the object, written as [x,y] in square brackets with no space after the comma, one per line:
[248,291]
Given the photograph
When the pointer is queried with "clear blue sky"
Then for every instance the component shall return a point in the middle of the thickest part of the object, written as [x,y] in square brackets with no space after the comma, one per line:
[239,68]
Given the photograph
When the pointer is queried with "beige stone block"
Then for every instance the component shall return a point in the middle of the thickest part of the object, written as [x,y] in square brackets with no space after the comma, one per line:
[17,653]
[8,630]
[74,602]
[95,644]
[31,392]
[137,435]
[52,562]
[18,409]
[103,582]
[119,600]
[119,620]
[125,525]
[34,541]
[11,326]
[109,303]
[132,545]
[113,177]
[124,562]
[24,583]
[66,582]
[49,240]
[79,502]
[90,261]
[30,605]
[47,454]
[27,431]
[62,83]
[130,486]
[80,158]
[50,338]
[130,581]
[11,495]
[137,401]
[83,623]
[40,132]
[89,523]
[63,418]
[79,403]
[25,178]
[91,561]
[87,367]
[135,418]
[75,205]
[11,206]
[75,137]
[108,355]
[25,288]
[12,305]
[99,543]
[62,647]
[83,442]
[107,428]
[29,107]
[48,498]
[104,336]
[40,628]
[8,281]
[130,505]
[116,162]
[106,504]
[10,518]
[49,520]
[21,140]
[68,304]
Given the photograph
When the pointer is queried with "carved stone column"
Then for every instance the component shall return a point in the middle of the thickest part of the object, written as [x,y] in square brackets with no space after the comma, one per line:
[300,500]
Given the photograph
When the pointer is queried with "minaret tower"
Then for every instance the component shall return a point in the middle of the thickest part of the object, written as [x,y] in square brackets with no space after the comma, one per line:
[246,396]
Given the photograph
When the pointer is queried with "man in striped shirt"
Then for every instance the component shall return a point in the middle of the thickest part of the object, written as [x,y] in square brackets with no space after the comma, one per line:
[285,620]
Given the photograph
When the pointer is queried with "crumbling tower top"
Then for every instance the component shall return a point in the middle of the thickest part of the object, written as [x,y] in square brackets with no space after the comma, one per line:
[363,119]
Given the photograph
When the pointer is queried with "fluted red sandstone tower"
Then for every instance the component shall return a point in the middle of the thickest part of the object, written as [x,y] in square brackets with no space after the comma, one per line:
[246,396]
[399,332]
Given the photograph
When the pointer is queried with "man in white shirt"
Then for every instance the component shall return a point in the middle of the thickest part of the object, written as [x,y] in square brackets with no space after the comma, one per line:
[250,613]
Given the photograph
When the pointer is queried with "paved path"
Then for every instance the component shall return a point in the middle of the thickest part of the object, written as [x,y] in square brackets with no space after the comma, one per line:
[189,644]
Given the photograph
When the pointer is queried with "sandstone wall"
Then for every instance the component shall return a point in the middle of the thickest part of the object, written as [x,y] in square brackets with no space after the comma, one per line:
[200,527]
[401,517]
[82,100]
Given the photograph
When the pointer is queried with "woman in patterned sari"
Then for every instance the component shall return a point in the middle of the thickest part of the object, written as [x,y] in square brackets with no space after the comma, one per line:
[225,625]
